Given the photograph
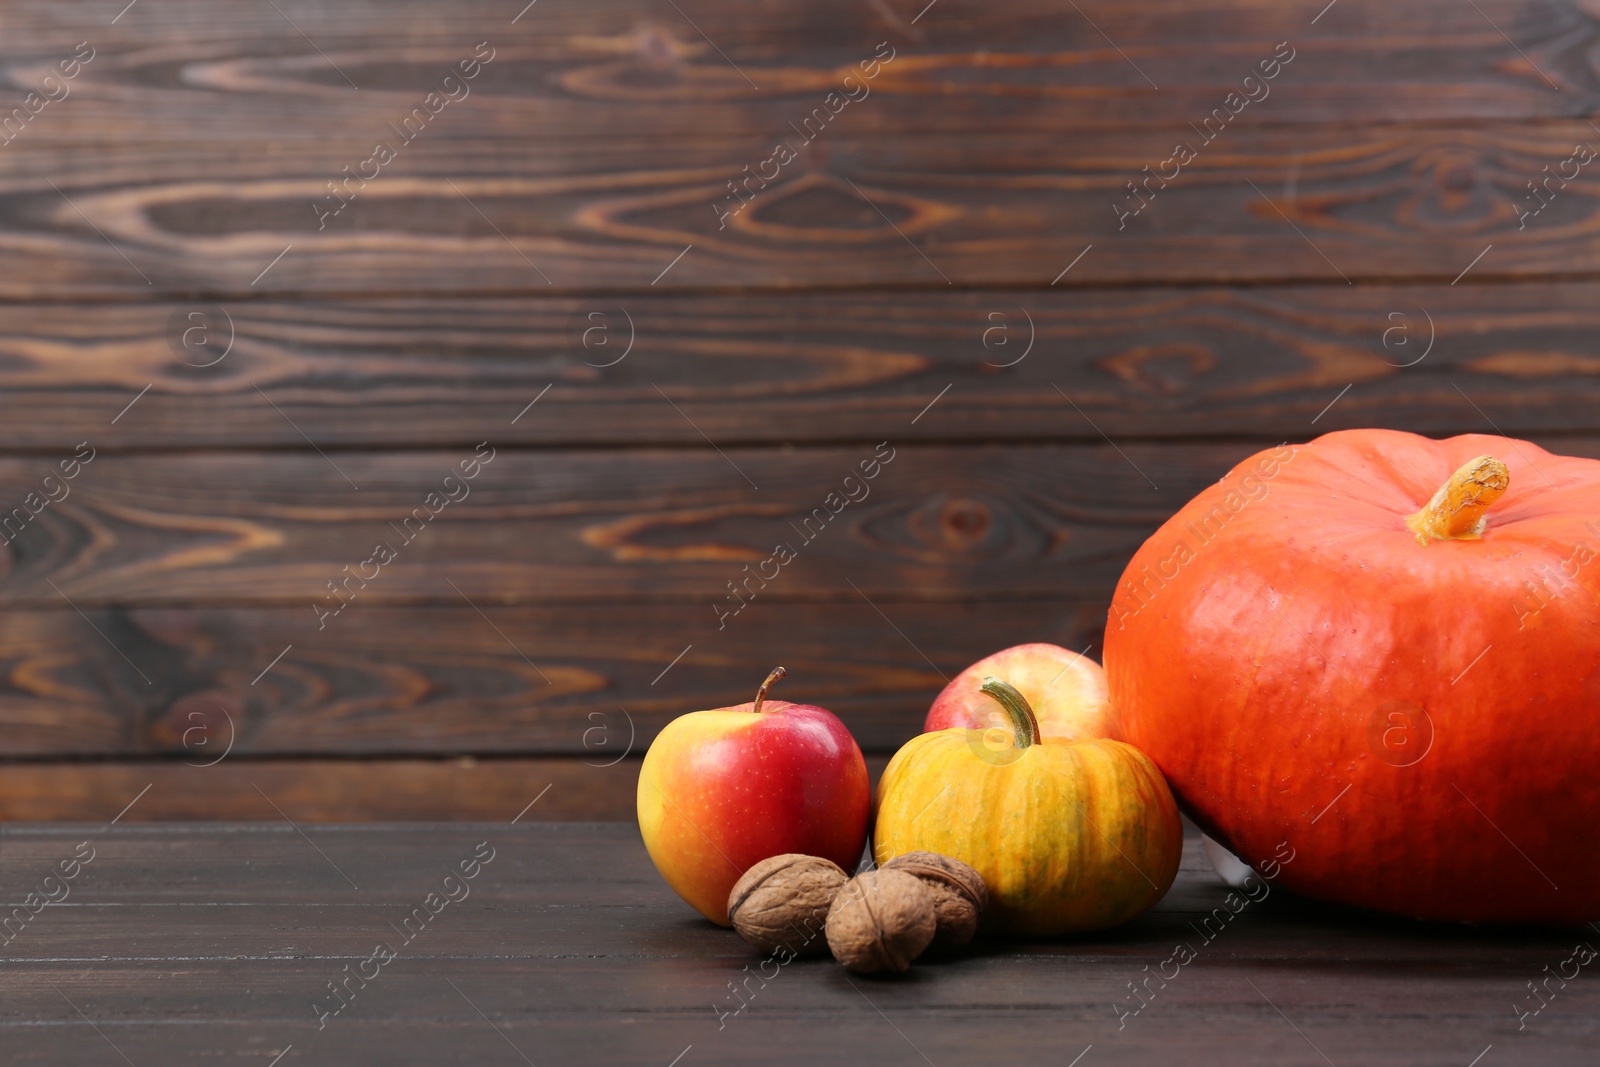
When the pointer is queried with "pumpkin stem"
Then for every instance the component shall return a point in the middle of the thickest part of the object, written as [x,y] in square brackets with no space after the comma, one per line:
[1457,510]
[1024,727]
[761,694]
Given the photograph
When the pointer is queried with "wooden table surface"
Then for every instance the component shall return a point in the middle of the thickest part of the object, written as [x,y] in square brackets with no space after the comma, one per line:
[207,944]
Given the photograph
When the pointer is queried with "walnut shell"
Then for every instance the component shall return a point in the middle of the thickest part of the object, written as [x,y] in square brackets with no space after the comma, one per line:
[782,903]
[881,921]
[959,895]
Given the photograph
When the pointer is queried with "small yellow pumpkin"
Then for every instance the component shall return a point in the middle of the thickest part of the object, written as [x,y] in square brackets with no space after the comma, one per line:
[1069,835]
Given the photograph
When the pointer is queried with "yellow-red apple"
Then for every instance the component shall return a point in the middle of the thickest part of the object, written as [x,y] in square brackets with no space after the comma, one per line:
[1066,691]
[722,790]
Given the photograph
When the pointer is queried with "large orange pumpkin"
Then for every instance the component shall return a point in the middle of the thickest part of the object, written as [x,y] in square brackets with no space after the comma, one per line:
[1384,651]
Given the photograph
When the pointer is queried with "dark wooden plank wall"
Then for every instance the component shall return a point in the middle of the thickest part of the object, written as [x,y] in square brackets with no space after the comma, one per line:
[698,389]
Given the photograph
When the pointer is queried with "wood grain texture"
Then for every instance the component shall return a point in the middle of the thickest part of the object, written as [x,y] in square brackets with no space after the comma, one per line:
[332,790]
[625,68]
[183,945]
[321,791]
[991,522]
[1371,203]
[800,367]
[938,523]
[595,682]
[1281,285]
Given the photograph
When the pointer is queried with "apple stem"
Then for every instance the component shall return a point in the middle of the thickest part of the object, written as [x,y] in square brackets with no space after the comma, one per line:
[761,694]
[1456,511]
[1024,727]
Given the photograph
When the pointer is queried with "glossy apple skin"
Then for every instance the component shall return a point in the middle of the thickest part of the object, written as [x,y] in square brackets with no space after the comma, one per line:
[1066,691]
[722,790]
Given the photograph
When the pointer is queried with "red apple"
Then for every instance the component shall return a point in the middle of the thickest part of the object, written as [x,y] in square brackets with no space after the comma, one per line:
[1067,692]
[722,790]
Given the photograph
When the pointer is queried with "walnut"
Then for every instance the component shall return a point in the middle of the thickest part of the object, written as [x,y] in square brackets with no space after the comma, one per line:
[782,903]
[881,921]
[959,895]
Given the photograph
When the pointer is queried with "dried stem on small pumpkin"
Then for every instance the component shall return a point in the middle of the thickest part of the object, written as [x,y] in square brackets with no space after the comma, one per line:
[1024,727]
[1457,510]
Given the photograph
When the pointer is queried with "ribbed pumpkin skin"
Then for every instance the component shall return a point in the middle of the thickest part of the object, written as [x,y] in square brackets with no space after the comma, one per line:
[1260,641]
[1057,833]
